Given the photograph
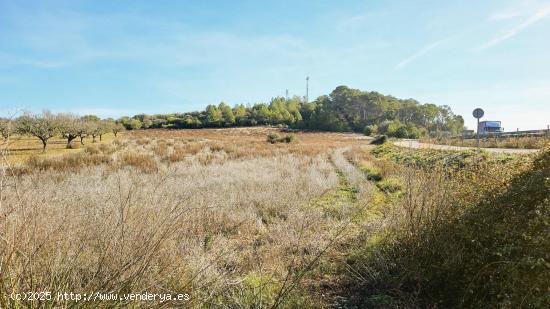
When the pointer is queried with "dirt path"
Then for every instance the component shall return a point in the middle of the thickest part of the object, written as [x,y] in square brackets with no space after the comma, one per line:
[349,198]
[411,143]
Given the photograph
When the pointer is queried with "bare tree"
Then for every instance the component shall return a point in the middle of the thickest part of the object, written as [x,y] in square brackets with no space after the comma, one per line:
[116,128]
[104,128]
[69,127]
[97,128]
[93,129]
[5,128]
[42,126]
[83,130]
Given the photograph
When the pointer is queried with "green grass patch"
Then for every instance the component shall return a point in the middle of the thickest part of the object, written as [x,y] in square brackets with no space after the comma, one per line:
[261,291]
[372,172]
[390,185]
[334,201]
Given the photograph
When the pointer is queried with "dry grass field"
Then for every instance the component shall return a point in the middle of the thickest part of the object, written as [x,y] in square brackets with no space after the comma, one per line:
[235,219]
[219,214]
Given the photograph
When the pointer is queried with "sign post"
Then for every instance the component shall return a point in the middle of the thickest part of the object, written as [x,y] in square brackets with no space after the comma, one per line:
[477,113]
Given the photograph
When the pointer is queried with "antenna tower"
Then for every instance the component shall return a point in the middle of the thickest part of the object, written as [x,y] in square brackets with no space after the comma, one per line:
[307,89]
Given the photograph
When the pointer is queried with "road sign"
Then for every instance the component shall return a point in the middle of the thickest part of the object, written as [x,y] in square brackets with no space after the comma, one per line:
[478,113]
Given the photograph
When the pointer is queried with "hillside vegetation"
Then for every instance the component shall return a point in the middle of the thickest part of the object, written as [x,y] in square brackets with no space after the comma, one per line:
[344,109]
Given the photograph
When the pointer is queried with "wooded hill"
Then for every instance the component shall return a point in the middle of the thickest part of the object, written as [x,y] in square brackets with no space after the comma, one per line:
[344,109]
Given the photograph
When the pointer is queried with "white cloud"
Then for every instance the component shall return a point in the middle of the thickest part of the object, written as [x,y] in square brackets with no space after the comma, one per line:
[418,54]
[541,12]
[63,38]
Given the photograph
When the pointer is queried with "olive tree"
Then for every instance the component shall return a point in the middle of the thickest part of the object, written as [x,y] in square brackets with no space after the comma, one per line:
[42,126]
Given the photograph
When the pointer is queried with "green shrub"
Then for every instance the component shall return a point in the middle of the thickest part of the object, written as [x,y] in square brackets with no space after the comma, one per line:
[413,131]
[289,138]
[373,173]
[395,129]
[273,137]
[276,138]
[400,132]
[370,130]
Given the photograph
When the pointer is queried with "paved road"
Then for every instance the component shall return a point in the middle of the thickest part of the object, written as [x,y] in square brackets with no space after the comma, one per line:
[411,143]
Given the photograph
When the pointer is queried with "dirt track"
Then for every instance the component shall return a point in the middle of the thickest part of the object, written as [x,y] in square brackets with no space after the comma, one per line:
[410,143]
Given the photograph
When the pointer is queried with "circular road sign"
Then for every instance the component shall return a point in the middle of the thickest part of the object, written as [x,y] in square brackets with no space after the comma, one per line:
[478,113]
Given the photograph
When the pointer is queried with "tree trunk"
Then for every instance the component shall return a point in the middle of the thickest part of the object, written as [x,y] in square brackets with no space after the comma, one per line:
[93,138]
[69,140]
[44,143]
[115,133]
[82,140]
[100,135]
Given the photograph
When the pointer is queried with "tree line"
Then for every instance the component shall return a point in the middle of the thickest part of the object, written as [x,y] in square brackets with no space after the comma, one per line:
[46,125]
[344,109]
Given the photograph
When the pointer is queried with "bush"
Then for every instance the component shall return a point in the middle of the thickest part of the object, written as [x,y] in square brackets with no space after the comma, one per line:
[379,140]
[370,130]
[273,137]
[400,132]
[276,138]
[413,131]
[373,173]
[289,138]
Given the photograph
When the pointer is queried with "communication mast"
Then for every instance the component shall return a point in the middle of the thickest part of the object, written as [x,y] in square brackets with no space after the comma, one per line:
[307,89]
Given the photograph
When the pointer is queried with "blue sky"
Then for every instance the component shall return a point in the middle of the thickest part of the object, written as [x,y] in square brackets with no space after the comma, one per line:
[116,58]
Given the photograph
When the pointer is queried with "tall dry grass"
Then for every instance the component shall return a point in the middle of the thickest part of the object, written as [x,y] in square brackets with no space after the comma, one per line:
[187,215]
[462,234]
